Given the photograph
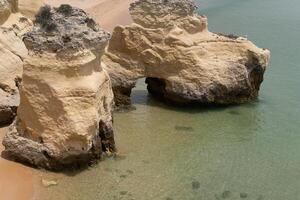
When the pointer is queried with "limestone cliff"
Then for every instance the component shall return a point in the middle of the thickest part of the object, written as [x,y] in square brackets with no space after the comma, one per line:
[12,53]
[65,114]
[183,62]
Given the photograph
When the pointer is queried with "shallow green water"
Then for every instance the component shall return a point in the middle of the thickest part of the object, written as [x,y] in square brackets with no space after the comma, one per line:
[243,152]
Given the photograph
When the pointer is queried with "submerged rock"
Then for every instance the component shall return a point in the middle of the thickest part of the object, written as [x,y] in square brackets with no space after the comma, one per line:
[243,195]
[226,194]
[195,185]
[184,63]
[65,114]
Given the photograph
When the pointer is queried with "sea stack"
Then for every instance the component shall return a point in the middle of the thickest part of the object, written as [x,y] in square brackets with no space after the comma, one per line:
[170,45]
[65,113]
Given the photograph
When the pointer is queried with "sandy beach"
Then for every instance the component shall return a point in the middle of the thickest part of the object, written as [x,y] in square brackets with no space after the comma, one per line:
[16,179]
[17,182]
[108,13]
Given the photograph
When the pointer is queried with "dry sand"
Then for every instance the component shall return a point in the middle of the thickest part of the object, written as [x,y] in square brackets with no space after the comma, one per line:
[108,13]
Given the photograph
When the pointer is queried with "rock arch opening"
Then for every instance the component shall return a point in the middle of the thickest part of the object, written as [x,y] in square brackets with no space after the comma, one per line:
[145,91]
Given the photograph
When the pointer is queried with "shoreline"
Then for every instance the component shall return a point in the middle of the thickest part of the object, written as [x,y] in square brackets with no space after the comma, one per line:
[108,13]
[19,182]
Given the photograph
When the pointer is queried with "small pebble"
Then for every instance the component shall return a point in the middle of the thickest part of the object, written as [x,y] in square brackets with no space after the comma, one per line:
[48,183]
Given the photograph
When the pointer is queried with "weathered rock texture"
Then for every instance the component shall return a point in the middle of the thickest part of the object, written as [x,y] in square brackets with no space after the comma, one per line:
[183,62]
[9,102]
[12,54]
[5,10]
[65,114]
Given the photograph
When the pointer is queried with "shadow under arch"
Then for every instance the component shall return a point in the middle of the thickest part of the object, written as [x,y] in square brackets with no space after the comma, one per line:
[140,95]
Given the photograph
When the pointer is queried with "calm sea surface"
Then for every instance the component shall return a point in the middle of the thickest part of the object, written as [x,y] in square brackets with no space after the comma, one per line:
[250,151]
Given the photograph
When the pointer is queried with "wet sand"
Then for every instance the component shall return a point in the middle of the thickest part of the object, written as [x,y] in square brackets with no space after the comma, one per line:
[108,13]
[16,180]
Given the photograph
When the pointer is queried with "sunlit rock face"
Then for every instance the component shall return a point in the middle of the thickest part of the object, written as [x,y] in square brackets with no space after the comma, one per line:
[65,115]
[12,53]
[183,62]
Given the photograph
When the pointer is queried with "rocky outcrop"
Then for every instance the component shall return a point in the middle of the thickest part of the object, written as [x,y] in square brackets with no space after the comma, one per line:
[12,54]
[184,63]
[9,102]
[4,10]
[65,115]
[7,7]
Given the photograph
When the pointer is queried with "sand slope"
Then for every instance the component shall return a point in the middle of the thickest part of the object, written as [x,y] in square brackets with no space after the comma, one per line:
[108,13]
[16,180]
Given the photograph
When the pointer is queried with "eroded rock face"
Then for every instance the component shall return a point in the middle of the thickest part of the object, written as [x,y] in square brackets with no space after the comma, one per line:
[7,7]
[9,102]
[5,10]
[65,114]
[12,54]
[184,63]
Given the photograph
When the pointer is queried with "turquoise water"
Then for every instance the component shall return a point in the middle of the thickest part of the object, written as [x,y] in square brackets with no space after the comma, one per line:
[250,151]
